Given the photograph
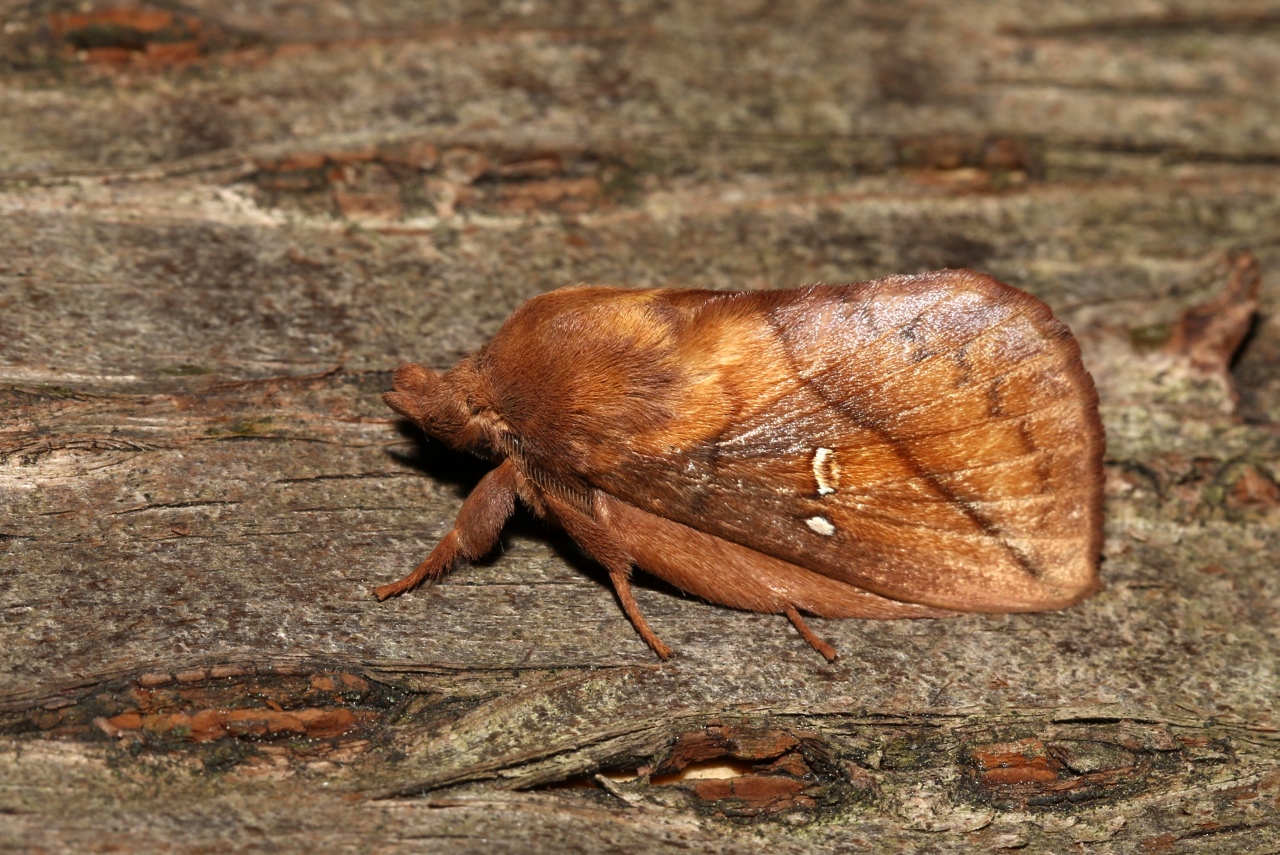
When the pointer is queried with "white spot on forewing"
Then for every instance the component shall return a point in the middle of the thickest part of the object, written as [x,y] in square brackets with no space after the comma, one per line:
[824,471]
[821,525]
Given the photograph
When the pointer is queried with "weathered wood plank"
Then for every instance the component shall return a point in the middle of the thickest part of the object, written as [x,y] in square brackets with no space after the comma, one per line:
[215,249]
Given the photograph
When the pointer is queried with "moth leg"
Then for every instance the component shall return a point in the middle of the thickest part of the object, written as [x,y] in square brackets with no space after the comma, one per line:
[621,578]
[599,538]
[474,532]
[809,635]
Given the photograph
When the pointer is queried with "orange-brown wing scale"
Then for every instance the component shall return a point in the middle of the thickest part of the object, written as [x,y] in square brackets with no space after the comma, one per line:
[930,439]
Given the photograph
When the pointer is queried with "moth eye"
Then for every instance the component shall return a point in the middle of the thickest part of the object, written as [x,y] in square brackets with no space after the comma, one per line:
[821,525]
[480,408]
[826,471]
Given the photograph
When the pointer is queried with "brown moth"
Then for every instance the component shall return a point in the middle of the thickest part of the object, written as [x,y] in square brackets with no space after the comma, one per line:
[910,447]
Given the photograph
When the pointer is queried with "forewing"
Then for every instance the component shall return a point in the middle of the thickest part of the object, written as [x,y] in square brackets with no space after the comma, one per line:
[933,439]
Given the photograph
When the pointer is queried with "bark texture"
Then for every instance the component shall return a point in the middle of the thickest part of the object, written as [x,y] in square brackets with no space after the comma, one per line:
[221,227]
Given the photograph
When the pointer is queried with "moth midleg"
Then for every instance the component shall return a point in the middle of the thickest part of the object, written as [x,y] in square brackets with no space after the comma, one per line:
[474,532]
[606,546]
[621,578]
[809,635]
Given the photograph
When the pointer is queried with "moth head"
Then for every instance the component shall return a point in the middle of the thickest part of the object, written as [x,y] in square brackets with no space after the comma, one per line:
[448,407]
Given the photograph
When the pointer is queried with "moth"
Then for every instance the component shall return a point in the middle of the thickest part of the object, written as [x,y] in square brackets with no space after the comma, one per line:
[911,447]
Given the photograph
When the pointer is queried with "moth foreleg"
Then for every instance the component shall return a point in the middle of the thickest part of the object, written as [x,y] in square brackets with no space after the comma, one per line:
[475,531]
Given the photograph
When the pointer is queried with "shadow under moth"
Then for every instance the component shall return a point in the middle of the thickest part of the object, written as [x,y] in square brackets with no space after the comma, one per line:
[915,446]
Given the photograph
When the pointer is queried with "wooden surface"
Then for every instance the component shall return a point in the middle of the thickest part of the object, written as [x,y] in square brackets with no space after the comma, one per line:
[222,227]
